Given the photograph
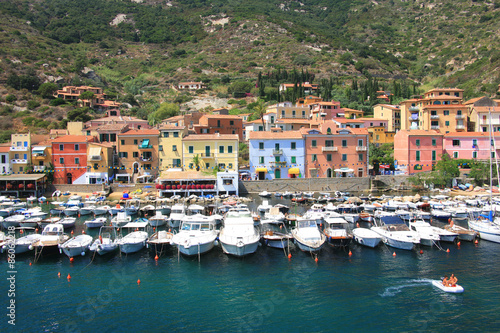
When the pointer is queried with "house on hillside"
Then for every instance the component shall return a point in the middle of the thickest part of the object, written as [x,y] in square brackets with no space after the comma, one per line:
[191,85]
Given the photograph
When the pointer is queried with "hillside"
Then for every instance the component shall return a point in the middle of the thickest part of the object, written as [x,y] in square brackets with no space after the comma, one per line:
[137,49]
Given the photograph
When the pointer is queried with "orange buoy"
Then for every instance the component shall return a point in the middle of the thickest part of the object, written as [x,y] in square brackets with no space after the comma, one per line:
[156,257]
[59,274]
[21,231]
[350,253]
[421,251]
[154,228]
[289,256]
[78,214]
[458,244]
[72,232]
[394,254]
[357,224]
[316,259]
[71,259]
[36,230]
[476,241]
[447,250]
[69,277]
[30,264]
[83,232]
[139,281]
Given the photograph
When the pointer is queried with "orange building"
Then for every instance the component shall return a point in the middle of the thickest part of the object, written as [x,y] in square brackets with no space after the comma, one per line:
[69,157]
[222,124]
[138,153]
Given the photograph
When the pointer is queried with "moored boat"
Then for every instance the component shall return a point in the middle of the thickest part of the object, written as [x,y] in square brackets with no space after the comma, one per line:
[160,241]
[196,235]
[366,237]
[275,234]
[67,222]
[106,242]
[77,245]
[336,231]
[96,223]
[239,236]
[52,236]
[134,241]
[307,236]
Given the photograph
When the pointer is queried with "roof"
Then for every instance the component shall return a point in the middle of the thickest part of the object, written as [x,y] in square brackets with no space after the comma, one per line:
[73,138]
[183,83]
[346,121]
[101,144]
[221,116]
[262,135]
[195,137]
[394,107]
[25,176]
[4,149]
[141,132]
[444,89]
[59,131]
[493,109]
[170,127]
[36,138]
[352,110]
[420,132]
[188,174]
[471,134]
[473,100]
[118,119]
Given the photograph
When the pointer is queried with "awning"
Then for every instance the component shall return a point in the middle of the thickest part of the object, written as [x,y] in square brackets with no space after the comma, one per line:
[38,150]
[260,169]
[344,170]
[293,171]
[95,151]
[145,143]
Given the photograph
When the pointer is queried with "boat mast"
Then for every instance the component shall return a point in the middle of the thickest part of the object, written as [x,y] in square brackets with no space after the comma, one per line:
[491,166]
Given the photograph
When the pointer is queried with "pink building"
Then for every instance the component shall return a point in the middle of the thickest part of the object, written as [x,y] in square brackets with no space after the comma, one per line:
[373,122]
[469,145]
[417,150]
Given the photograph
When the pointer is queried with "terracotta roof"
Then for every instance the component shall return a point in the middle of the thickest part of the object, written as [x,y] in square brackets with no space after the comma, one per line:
[59,131]
[352,110]
[4,149]
[101,144]
[421,132]
[347,121]
[473,100]
[46,143]
[494,109]
[194,137]
[261,135]
[141,132]
[73,138]
[394,107]
[184,83]
[444,89]
[222,116]
[35,138]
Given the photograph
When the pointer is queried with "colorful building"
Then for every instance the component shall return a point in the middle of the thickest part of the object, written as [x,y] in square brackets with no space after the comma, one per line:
[223,124]
[99,162]
[170,146]
[379,135]
[4,159]
[417,150]
[138,153]
[482,113]
[212,151]
[69,157]
[275,155]
[336,152]
[471,145]
[289,110]
[41,156]
[391,113]
[20,152]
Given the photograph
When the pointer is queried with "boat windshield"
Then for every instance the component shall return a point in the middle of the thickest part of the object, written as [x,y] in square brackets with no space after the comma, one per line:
[307,224]
[205,227]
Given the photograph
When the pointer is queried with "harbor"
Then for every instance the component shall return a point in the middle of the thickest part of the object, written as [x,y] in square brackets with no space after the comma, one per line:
[269,289]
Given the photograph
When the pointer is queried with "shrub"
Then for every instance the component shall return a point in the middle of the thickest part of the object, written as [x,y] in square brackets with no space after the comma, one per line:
[10,98]
[33,105]
[57,102]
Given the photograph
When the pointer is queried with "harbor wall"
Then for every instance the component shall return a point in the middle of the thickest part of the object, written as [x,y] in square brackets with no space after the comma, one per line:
[355,184]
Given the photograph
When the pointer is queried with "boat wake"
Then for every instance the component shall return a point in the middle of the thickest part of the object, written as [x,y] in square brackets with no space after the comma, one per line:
[392,291]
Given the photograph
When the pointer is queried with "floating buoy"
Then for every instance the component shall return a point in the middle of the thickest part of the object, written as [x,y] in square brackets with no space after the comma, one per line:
[59,274]
[21,231]
[421,251]
[476,241]
[316,259]
[139,281]
[71,259]
[156,257]
[154,228]
[169,230]
[447,250]
[289,256]
[36,230]
[30,264]
[83,232]
[357,224]
[350,253]
[458,244]
[72,232]
[69,277]
[394,254]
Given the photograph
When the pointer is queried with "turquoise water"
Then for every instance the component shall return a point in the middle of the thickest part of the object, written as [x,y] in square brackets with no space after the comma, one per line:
[370,290]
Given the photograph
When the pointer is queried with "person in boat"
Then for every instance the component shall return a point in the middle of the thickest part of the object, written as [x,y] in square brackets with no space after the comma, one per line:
[446,281]
[453,281]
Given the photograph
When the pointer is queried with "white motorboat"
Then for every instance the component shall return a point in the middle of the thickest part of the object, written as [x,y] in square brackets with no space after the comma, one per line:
[195,209]
[75,197]
[176,215]
[453,289]
[32,222]
[239,236]
[163,207]
[35,212]
[394,232]
[6,211]
[265,194]
[132,206]
[487,229]
[425,231]
[196,235]
[72,211]
[49,220]
[275,215]
[463,233]
[77,245]
[264,207]
[134,241]
[25,243]
[87,210]
[101,210]
[52,236]
[158,220]
[275,234]
[147,210]
[307,235]
[336,231]
[106,242]
[96,223]
[366,237]
[67,222]
[116,209]
[120,219]
[160,241]
[12,221]
[440,215]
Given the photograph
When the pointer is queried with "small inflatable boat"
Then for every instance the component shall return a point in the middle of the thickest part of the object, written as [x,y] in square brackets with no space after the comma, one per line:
[456,289]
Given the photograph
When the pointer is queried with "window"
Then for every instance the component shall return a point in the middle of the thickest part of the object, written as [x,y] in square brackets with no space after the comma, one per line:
[293,145]
[329,157]
[433,155]
[360,143]
[135,154]
[282,113]
[207,151]
[61,160]
[88,132]
[433,113]
[261,145]
[344,157]
[122,142]
[21,169]
[261,128]
[293,113]
[294,159]
[177,162]
[191,165]
[261,159]
[456,143]
[328,143]
[277,159]
[77,160]
[474,154]
[230,166]
[313,143]
[360,157]
[174,147]
[77,147]
[377,137]
[231,122]
[160,148]
[61,147]
[433,142]
[417,142]
[492,154]
[276,146]
[344,143]
[455,154]
[207,165]
[229,149]
[417,155]
[459,112]
[124,154]
[191,149]
[474,143]
[135,141]
[314,157]
[222,166]
[221,149]
[165,134]
[447,123]
[176,134]
[147,166]
[446,112]
[25,156]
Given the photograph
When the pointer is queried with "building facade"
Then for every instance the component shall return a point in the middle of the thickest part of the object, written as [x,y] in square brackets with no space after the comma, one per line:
[138,153]
[20,152]
[391,113]
[170,146]
[99,163]
[69,157]
[417,150]
[222,124]
[211,151]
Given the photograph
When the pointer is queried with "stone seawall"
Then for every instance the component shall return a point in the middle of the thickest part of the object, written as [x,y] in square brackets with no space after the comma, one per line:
[74,188]
[316,185]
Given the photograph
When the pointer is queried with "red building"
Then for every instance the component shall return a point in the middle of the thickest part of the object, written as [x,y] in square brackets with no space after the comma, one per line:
[219,123]
[417,150]
[69,157]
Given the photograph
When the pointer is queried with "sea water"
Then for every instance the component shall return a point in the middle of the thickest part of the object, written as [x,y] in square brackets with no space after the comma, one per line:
[370,290]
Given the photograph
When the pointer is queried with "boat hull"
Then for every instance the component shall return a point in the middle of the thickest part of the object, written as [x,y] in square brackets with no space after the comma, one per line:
[338,241]
[398,244]
[195,249]
[456,290]
[239,249]
[280,243]
[74,251]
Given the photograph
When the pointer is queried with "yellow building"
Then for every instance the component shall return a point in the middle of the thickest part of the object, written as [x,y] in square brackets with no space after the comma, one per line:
[99,162]
[20,152]
[212,150]
[391,113]
[289,110]
[170,146]
[378,135]
[41,156]
[138,154]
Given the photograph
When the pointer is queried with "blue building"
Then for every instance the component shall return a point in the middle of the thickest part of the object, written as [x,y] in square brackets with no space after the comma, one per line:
[275,155]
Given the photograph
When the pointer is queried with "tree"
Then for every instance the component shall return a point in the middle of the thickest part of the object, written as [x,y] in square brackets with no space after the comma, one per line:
[260,110]
[446,170]
[88,95]
[197,162]
[166,110]
[80,114]
[47,89]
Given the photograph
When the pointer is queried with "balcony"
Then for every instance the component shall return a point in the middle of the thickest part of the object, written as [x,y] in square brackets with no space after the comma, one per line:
[329,148]
[18,161]
[459,116]
[18,148]
[361,148]
[38,156]
[435,127]
[146,159]
[414,108]
[434,116]
[38,168]
[460,127]
[95,158]
[145,146]
[279,163]
[207,155]
[277,152]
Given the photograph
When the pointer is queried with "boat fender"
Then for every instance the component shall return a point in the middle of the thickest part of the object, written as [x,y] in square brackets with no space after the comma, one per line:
[267,242]
[100,239]
[83,253]
[29,247]
[216,242]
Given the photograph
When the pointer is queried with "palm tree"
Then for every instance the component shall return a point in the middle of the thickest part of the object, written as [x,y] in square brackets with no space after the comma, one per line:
[260,110]
[197,162]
